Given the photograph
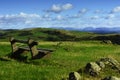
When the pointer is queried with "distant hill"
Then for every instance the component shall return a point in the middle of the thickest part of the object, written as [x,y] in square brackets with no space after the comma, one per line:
[50,34]
[45,34]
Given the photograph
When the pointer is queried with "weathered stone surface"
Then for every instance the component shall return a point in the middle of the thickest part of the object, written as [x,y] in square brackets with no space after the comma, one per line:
[111,78]
[112,62]
[101,64]
[74,76]
[107,41]
[92,68]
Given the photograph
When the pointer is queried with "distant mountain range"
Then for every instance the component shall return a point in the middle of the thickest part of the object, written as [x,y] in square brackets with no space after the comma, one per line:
[101,30]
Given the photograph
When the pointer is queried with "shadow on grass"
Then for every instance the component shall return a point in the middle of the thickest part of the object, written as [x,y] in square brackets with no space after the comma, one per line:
[9,57]
[23,58]
[5,58]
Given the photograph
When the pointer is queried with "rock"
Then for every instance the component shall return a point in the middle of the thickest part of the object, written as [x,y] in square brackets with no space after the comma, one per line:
[105,60]
[111,78]
[101,64]
[92,68]
[115,78]
[107,41]
[74,76]
[112,62]
[115,64]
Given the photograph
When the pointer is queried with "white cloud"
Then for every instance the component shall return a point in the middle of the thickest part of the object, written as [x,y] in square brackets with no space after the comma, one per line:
[67,6]
[28,22]
[116,9]
[110,16]
[95,17]
[82,11]
[24,20]
[18,20]
[56,8]
[98,11]
[59,17]
[74,16]
[59,8]
[47,17]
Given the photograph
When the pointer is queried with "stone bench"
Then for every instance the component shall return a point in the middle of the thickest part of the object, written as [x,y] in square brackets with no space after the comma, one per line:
[36,53]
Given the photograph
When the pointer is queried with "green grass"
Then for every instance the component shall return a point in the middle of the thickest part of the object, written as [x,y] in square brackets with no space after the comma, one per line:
[68,57]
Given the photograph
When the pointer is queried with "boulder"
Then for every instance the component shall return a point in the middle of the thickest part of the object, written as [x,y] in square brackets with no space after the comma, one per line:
[107,41]
[101,64]
[74,76]
[92,68]
[112,62]
[111,78]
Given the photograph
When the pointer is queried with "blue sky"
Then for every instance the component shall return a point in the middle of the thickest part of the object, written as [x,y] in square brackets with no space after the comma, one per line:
[19,14]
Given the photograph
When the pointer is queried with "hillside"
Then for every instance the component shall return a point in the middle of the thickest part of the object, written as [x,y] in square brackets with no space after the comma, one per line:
[46,34]
[72,54]
[49,34]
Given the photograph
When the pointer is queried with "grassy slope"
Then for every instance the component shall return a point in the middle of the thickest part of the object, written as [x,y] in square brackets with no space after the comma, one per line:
[70,56]
[48,34]
[44,34]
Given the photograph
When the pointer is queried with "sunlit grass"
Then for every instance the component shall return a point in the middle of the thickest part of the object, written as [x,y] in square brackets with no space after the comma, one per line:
[67,57]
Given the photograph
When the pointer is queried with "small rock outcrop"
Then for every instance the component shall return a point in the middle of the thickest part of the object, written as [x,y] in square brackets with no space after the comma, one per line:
[74,76]
[92,68]
[107,41]
[101,64]
[112,62]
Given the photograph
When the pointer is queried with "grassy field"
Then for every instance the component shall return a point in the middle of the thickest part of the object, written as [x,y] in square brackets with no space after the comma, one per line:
[68,57]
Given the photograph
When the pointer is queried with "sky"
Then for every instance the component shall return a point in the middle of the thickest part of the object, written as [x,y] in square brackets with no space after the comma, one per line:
[20,14]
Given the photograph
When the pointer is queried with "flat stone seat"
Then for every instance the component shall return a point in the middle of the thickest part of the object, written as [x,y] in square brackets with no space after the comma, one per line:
[45,49]
[24,48]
